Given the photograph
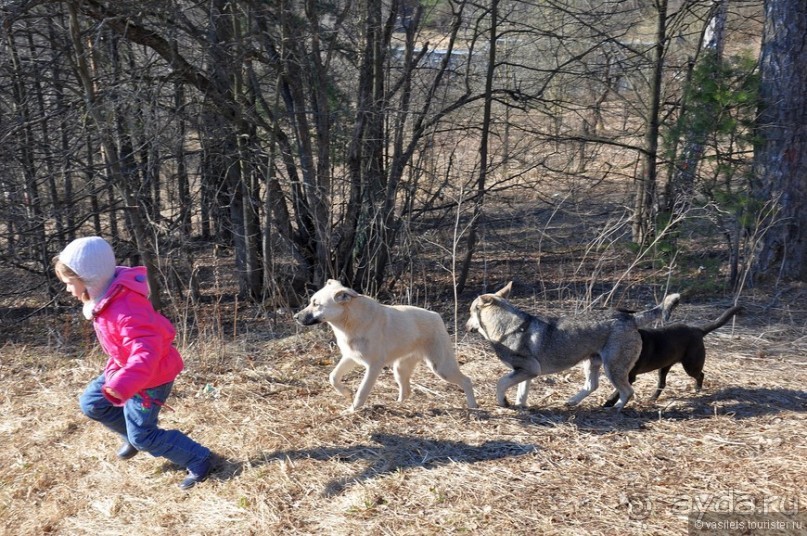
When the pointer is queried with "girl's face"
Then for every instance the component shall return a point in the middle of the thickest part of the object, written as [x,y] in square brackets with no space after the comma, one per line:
[75,286]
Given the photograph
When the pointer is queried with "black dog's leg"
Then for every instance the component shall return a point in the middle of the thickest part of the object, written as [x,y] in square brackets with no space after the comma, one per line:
[693,365]
[698,376]
[699,382]
[662,382]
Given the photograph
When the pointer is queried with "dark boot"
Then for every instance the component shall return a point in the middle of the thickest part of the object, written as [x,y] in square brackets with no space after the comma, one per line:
[126,451]
[197,473]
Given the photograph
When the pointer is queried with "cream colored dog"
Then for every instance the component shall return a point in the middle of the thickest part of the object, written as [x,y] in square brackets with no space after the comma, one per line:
[375,335]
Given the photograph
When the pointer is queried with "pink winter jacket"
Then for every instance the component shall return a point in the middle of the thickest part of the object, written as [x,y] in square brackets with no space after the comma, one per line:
[138,339]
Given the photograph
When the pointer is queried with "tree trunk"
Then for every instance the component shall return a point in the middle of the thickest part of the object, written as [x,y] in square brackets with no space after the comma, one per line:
[780,163]
[645,202]
[683,176]
[483,151]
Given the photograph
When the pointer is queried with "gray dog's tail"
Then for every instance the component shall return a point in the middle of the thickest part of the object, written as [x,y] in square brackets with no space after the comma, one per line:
[662,310]
[722,320]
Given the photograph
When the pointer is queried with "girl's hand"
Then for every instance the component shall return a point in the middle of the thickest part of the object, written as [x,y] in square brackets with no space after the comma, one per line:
[112,393]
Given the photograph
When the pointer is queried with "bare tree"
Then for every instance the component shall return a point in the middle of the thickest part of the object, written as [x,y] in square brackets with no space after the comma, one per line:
[118,172]
[681,184]
[484,147]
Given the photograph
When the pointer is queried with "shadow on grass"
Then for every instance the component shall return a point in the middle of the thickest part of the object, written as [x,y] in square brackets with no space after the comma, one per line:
[390,453]
[737,402]
[743,403]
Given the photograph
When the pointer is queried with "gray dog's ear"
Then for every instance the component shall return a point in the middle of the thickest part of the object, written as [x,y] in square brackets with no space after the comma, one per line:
[505,291]
[345,295]
[486,299]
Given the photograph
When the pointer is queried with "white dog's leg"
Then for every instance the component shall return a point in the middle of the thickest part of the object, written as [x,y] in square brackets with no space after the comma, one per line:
[344,366]
[448,369]
[468,387]
[370,376]
[591,369]
[523,392]
[402,370]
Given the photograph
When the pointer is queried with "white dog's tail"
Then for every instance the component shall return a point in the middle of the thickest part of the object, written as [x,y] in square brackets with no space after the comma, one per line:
[662,310]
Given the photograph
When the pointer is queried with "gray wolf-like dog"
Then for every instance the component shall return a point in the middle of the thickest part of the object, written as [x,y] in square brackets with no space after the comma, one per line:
[676,343]
[533,345]
[374,335]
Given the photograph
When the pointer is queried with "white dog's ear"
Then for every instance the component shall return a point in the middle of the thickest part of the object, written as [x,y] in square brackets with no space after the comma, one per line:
[332,282]
[345,295]
[505,291]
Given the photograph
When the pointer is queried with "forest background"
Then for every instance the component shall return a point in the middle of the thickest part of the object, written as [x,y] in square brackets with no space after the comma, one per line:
[597,152]
[361,141]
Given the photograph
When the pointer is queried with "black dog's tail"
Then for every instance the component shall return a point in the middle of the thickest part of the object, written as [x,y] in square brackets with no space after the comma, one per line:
[662,310]
[722,320]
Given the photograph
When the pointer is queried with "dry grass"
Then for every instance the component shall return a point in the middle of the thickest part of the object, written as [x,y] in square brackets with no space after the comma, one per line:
[292,462]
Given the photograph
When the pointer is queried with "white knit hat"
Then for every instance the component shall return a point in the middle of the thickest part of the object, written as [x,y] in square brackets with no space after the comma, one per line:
[93,260]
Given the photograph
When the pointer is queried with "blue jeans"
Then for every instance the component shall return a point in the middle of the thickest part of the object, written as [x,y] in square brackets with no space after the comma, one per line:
[136,421]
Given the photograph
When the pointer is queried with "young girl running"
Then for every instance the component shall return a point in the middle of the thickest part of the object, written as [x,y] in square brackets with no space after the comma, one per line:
[143,363]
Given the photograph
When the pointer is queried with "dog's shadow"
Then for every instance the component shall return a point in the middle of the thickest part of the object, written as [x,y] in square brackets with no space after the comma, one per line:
[736,402]
[390,453]
[741,403]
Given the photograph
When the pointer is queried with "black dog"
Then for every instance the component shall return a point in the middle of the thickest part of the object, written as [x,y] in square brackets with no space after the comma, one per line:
[678,343]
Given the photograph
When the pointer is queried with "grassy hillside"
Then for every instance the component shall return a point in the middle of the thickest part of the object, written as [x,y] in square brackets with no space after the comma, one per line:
[292,461]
